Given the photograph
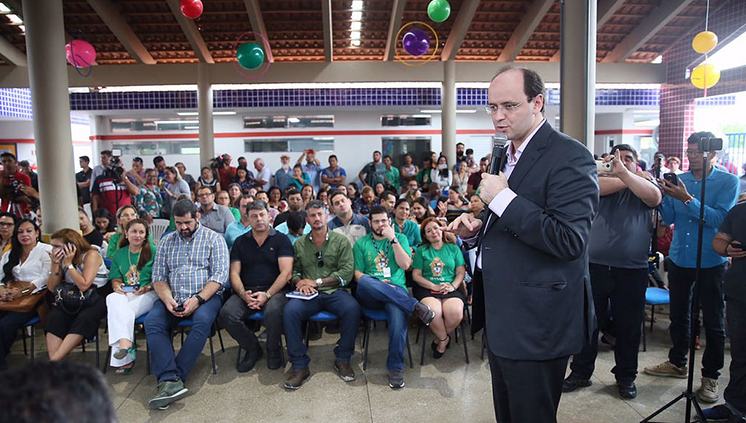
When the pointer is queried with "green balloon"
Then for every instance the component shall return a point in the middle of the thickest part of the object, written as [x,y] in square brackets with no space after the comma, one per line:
[250,56]
[438,10]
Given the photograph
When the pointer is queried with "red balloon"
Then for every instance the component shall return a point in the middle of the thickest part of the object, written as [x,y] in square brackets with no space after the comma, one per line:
[192,9]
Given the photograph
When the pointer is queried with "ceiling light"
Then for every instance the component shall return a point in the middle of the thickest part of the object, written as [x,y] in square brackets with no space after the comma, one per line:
[22,28]
[357,16]
[187,113]
[293,120]
[356,25]
[357,4]
[435,111]
[191,127]
[224,113]
[4,8]
[658,60]
[14,18]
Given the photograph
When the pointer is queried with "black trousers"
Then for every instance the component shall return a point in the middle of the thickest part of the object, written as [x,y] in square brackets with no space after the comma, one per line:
[624,290]
[526,391]
[735,393]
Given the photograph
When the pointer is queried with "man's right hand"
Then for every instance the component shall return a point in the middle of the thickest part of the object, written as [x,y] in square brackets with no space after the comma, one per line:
[246,296]
[734,250]
[465,226]
[170,305]
[306,286]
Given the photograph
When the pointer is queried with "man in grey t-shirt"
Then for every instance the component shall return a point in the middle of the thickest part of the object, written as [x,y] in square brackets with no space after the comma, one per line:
[213,216]
[618,261]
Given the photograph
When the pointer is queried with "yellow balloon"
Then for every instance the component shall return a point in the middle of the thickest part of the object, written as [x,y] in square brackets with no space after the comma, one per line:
[704,42]
[705,76]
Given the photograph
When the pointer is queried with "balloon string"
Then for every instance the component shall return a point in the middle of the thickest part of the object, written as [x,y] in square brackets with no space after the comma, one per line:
[707,15]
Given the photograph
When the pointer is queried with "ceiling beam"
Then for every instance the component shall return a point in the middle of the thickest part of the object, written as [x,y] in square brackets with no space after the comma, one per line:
[16,6]
[460,28]
[397,13]
[113,19]
[606,9]
[192,33]
[649,26]
[326,17]
[11,54]
[523,31]
[257,24]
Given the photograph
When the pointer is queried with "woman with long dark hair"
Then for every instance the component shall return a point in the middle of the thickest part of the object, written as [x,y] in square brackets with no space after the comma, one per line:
[89,232]
[133,295]
[76,262]
[244,178]
[23,271]
[421,210]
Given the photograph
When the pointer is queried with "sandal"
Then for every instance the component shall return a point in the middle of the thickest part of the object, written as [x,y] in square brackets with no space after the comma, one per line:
[122,352]
[125,370]
[437,354]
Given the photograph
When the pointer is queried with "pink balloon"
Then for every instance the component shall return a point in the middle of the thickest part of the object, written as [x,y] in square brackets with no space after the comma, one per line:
[192,9]
[80,54]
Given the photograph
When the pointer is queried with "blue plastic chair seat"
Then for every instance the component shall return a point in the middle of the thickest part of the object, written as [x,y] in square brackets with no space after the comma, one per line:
[378,315]
[657,296]
[34,321]
[323,316]
[257,315]
[141,320]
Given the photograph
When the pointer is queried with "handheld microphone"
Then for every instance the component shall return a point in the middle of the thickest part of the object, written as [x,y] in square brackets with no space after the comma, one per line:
[499,141]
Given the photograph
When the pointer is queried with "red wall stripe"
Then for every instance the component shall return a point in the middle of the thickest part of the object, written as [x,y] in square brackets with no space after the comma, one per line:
[625,132]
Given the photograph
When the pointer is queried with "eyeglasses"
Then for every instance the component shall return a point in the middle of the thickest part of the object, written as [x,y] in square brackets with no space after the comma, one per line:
[693,153]
[506,108]
[320,259]
[6,224]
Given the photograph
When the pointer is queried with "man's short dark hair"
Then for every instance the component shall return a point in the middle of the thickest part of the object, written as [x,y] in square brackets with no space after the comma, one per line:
[377,210]
[376,152]
[85,159]
[55,392]
[137,159]
[256,205]
[385,195]
[333,193]
[387,157]
[292,191]
[158,159]
[106,152]
[24,163]
[315,204]
[7,154]
[459,143]
[241,158]
[296,221]
[483,159]
[198,189]
[624,147]
[10,215]
[183,208]
[469,151]
[533,83]
[333,156]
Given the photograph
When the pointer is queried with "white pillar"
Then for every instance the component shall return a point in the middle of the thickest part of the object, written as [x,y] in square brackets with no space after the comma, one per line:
[98,128]
[50,102]
[448,117]
[578,70]
[204,107]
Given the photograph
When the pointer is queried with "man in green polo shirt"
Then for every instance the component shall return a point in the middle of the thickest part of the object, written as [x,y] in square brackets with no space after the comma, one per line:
[323,264]
[380,260]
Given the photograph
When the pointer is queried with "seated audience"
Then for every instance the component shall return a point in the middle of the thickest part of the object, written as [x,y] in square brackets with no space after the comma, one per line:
[366,201]
[207,179]
[295,204]
[244,178]
[90,234]
[7,226]
[402,224]
[213,216]
[175,186]
[456,205]
[345,222]
[124,215]
[298,178]
[223,199]
[133,296]
[149,199]
[104,223]
[421,210]
[239,227]
[275,200]
[307,194]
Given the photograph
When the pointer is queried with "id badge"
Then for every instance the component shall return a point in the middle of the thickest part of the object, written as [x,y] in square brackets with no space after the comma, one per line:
[386,272]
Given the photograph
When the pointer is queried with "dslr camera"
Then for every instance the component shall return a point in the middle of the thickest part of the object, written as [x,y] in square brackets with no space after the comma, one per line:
[115,170]
[708,144]
[219,162]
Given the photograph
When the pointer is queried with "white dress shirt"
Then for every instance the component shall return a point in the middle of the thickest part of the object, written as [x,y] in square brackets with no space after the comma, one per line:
[35,269]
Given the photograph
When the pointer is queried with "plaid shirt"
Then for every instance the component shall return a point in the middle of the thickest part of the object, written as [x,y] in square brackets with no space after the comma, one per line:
[187,266]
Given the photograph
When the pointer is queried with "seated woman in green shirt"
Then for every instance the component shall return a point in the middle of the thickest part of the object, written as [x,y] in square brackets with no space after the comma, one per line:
[438,269]
[125,215]
[133,295]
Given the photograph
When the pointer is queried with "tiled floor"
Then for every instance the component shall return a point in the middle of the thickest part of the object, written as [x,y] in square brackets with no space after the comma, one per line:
[446,390]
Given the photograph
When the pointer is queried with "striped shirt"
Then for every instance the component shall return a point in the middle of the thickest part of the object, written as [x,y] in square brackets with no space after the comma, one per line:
[188,265]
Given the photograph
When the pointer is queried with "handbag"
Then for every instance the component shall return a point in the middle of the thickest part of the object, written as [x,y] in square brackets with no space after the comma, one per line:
[23,304]
[71,300]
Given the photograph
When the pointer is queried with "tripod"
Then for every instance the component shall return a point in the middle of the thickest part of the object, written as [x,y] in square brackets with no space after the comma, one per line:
[689,395]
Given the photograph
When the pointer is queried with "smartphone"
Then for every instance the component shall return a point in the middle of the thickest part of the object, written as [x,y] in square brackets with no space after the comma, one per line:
[130,288]
[738,245]
[179,308]
[603,166]
[672,178]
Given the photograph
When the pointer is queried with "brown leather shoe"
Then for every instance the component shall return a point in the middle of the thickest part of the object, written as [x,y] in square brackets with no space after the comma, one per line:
[296,378]
[344,370]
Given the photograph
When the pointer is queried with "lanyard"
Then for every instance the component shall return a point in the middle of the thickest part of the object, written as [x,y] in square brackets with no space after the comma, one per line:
[384,255]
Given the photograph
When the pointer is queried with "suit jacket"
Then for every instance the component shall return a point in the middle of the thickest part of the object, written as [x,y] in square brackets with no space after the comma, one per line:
[535,295]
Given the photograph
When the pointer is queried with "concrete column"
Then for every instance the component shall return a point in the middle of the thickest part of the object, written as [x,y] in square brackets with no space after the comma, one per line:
[204,107]
[98,128]
[448,117]
[50,102]
[578,70]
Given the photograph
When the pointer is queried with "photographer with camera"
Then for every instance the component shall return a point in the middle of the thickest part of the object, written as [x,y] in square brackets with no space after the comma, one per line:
[681,208]
[618,264]
[12,197]
[112,189]
[221,165]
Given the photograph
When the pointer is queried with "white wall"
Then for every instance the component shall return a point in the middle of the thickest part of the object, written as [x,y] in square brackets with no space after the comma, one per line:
[22,134]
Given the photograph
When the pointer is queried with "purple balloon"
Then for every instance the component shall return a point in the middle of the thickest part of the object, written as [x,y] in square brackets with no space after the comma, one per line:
[416,42]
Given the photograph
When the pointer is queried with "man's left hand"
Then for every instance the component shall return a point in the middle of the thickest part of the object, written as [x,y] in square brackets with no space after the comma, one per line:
[258,300]
[190,306]
[677,192]
[491,185]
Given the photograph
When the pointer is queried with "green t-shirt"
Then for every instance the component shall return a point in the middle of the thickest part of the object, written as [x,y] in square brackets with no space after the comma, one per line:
[113,247]
[438,266]
[124,267]
[392,176]
[411,230]
[368,258]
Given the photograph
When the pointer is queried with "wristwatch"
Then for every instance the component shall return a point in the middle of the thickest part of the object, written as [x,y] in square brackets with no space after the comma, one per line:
[686,203]
[319,281]
[200,300]
[268,294]
[70,267]
[395,240]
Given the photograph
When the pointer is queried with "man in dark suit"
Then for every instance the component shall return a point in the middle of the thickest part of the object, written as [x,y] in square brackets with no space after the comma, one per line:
[532,294]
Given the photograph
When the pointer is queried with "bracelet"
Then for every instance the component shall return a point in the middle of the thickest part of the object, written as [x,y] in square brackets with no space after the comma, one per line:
[54,273]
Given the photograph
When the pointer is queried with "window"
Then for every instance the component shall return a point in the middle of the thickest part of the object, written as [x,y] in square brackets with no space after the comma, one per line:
[406,120]
[274,122]
[289,145]
[397,147]
[158,148]
[120,125]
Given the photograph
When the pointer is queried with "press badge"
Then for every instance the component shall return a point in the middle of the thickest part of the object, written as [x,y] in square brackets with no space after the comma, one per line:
[386,272]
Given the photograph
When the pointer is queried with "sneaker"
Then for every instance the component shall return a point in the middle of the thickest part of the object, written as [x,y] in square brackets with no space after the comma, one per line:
[296,378]
[424,313]
[396,378]
[627,390]
[344,370]
[719,414]
[708,391]
[667,369]
[168,392]
[249,360]
[572,383]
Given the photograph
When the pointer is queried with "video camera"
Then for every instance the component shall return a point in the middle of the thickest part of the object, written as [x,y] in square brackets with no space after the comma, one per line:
[710,144]
[219,162]
[115,170]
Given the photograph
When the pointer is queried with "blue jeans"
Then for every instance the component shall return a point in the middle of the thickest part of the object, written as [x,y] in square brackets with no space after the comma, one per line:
[395,300]
[165,364]
[341,304]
